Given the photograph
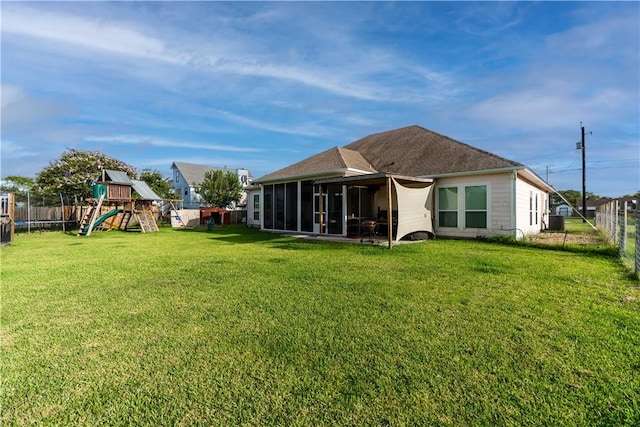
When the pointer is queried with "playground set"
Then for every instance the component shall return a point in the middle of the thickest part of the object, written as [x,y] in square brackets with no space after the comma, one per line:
[7,206]
[113,206]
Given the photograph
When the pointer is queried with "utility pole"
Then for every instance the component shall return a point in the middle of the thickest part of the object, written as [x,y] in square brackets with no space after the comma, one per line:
[584,174]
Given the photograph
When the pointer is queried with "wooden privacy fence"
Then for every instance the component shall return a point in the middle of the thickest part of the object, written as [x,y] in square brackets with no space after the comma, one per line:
[53,217]
[621,223]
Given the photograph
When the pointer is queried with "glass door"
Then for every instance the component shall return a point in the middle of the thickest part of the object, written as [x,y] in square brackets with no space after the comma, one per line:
[317,212]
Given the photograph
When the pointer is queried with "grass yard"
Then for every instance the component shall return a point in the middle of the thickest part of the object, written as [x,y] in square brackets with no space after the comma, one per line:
[239,327]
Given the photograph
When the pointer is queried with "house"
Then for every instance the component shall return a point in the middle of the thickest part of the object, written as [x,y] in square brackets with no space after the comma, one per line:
[592,206]
[409,182]
[188,176]
[564,210]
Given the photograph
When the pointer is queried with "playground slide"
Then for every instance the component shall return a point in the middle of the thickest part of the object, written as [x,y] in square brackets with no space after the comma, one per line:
[104,217]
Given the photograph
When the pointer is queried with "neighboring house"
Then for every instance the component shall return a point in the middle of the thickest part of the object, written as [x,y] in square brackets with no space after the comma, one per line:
[412,182]
[186,177]
[592,206]
[564,210]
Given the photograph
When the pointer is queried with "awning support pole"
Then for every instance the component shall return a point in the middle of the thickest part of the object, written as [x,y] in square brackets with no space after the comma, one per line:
[389,214]
[321,210]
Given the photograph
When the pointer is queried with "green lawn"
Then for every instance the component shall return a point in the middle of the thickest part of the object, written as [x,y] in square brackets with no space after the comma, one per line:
[239,327]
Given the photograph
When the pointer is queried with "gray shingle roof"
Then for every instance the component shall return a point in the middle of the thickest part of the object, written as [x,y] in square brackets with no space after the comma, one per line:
[410,151]
[334,159]
[416,151]
[194,173]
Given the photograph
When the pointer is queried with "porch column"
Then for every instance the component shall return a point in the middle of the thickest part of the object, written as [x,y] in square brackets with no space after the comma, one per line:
[389,213]
[321,214]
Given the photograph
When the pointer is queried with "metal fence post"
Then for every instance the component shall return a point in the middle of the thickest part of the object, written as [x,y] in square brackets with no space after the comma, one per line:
[637,263]
[622,236]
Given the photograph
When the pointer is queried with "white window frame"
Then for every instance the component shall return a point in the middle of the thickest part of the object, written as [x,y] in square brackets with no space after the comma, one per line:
[462,208]
[256,210]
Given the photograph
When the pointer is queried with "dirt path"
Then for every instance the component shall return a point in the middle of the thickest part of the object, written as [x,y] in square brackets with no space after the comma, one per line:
[576,238]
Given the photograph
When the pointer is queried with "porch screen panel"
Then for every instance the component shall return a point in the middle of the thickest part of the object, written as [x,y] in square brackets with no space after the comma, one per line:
[448,207]
[414,209]
[268,206]
[291,211]
[279,202]
[335,208]
[306,206]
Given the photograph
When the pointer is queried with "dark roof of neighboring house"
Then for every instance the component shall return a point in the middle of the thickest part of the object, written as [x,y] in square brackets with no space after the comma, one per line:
[410,151]
[194,173]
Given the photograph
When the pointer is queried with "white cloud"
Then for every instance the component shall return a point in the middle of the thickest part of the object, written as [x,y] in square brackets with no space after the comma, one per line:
[599,38]
[20,110]
[159,142]
[83,32]
[235,54]
[304,129]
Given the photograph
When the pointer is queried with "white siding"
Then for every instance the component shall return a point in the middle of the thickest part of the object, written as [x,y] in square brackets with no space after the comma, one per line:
[532,208]
[251,222]
[499,206]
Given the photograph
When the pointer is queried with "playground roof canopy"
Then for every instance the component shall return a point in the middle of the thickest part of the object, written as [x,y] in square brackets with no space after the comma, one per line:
[144,191]
[117,177]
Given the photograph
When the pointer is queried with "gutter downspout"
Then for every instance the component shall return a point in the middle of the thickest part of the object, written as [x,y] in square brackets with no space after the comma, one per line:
[389,213]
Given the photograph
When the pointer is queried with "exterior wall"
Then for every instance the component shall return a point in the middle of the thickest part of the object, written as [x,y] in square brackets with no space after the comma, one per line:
[252,221]
[532,212]
[185,190]
[188,218]
[499,205]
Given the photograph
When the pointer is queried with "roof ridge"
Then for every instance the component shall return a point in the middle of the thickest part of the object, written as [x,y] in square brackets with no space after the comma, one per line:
[475,148]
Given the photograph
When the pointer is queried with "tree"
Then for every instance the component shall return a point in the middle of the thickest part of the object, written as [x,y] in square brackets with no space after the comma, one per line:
[159,184]
[220,189]
[17,184]
[74,172]
[573,196]
[21,186]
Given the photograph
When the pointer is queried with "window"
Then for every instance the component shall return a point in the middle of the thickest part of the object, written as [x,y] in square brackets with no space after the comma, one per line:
[475,202]
[448,207]
[463,206]
[256,207]
[530,207]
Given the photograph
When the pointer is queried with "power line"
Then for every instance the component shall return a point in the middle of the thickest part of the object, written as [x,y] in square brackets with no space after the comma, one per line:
[552,171]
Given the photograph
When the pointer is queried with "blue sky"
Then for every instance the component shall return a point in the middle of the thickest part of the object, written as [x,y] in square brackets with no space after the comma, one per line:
[262,85]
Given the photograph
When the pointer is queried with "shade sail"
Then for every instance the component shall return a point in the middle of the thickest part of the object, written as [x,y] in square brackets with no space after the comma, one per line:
[414,209]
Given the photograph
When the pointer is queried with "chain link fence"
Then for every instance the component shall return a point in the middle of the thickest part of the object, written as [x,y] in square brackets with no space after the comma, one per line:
[620,221]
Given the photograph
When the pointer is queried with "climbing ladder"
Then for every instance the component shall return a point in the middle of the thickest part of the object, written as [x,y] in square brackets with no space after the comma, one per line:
[89,218]
[124,220]
[147,221]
